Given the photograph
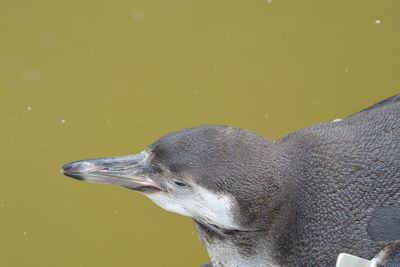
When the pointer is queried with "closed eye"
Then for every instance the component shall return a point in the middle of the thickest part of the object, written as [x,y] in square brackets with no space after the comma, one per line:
[180,183]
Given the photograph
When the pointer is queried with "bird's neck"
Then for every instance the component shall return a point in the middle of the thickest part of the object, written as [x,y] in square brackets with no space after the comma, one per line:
[238,248]
[270,224]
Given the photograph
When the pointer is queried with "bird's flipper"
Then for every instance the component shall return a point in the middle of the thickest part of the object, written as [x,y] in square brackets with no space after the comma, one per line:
[384,225]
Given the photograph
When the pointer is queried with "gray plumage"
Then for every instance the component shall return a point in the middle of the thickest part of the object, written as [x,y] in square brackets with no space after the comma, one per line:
[330,188]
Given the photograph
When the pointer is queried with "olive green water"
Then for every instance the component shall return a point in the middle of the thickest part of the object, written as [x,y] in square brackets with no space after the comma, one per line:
[83,79]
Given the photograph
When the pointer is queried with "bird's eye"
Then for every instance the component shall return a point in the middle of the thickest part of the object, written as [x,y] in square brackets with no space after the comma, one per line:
[180,183]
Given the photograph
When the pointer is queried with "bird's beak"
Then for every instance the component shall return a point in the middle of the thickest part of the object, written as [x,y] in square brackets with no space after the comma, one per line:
[128,171]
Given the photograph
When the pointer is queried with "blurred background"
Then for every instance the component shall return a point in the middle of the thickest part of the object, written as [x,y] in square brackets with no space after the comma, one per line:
[85,79]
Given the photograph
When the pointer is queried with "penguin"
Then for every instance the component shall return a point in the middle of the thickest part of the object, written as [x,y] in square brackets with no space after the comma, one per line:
[300,201]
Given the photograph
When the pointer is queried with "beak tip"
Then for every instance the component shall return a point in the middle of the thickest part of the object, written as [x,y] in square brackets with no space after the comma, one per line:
[68,170]
[64,170]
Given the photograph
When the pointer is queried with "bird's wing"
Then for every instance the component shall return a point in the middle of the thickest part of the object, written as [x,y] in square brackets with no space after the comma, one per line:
[385,224]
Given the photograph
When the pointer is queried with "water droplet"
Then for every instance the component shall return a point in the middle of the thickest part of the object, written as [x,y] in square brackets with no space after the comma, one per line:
[378,21]
[29,108]
[31,75]
[138,16]
[11,117]
[63,121]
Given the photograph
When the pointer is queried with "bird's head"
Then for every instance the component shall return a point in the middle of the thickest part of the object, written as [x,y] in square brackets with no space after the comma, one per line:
[218,175]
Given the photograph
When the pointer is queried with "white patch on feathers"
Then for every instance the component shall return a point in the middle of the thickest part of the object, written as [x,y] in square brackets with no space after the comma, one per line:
[200,204]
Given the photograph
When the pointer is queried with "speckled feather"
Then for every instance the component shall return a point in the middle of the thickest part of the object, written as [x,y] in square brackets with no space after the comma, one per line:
[320,191]
[311,195]
[347,172]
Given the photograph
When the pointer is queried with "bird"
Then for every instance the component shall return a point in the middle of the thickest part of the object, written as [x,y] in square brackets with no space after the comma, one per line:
[327,189]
